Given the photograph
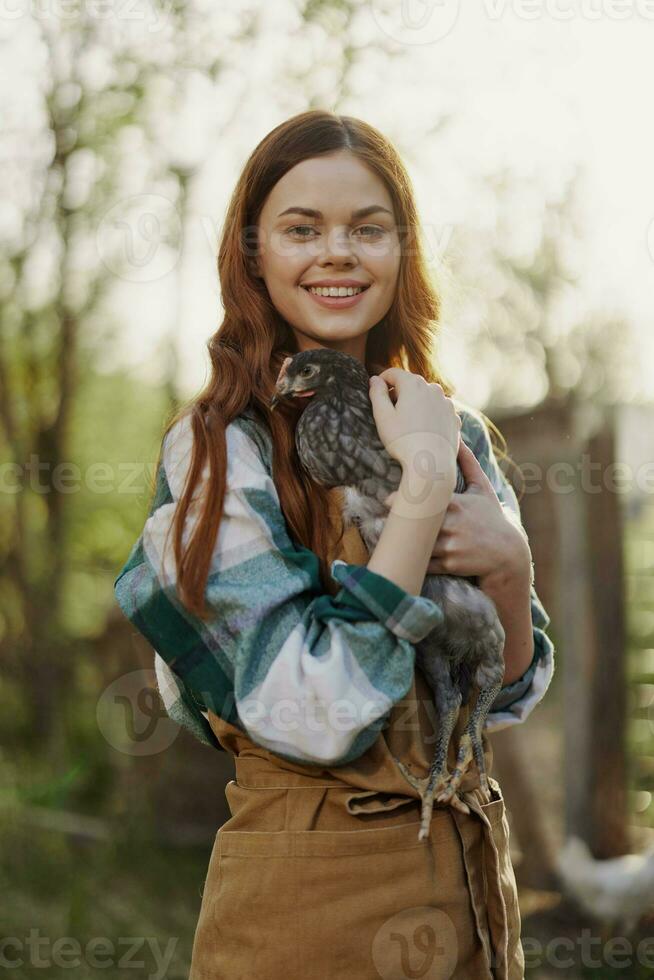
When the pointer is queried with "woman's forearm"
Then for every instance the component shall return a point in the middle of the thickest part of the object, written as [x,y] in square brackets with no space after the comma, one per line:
[405,544]
[511,593]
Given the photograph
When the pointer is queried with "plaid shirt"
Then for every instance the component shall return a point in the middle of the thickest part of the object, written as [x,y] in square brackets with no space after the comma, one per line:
[274,638]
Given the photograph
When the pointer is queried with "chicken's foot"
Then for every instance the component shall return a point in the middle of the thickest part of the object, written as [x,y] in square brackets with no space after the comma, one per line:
[471,744]
[430,785]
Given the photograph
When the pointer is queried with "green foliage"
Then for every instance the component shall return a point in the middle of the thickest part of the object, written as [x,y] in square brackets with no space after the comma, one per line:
[65,886]
[116,434]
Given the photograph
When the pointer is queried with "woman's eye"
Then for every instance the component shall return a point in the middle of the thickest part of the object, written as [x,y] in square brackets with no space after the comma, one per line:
[372,230]
[368,230]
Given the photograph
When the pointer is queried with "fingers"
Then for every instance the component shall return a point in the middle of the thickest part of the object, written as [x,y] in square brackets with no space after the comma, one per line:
[473,473]
[392,374]
[399,378]
[377,387]
[380,400]
[396,375]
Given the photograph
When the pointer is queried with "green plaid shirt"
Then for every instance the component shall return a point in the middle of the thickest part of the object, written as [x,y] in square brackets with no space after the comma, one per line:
[310,677]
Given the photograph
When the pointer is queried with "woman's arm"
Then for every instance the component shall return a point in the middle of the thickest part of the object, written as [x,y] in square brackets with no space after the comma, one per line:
[511,593]
[521,612]
[403,550]
[310,676]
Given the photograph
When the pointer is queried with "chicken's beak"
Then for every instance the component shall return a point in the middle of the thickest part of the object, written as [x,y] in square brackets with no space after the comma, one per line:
[282,390]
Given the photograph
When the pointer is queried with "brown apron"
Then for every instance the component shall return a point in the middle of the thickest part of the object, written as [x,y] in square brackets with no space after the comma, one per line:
[319,874]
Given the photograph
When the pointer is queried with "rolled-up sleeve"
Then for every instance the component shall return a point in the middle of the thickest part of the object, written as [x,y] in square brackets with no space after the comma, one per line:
[310,676]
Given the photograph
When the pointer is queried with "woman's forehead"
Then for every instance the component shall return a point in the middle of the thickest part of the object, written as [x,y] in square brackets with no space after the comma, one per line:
[334,187]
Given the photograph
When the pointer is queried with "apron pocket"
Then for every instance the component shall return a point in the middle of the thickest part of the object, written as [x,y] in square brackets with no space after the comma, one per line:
[374,801]
[366,903]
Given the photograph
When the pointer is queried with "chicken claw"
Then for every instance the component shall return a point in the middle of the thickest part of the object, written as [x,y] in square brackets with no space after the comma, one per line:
[427,787]
[463,760]
[470,746]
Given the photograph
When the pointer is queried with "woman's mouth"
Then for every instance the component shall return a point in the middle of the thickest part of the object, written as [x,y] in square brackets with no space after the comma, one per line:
[335,297]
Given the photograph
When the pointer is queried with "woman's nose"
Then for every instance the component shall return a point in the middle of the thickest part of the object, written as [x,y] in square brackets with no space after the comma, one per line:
[337,246]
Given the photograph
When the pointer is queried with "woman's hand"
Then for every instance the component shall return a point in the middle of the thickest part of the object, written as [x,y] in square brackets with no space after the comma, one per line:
[478,537]
[419,426]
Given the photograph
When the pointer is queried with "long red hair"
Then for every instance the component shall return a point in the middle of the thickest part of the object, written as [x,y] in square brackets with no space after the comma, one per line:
[252,341]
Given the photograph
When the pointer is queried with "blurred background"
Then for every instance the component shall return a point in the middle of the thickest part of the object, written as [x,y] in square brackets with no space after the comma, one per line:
[525,128]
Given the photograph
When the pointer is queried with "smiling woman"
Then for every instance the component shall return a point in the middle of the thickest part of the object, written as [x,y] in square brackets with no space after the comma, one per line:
[280,639]
[335,263]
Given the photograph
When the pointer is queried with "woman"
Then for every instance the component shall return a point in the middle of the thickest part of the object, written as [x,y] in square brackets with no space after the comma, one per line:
[279,639]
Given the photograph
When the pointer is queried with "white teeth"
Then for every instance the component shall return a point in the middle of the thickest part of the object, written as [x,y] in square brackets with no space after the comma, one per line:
[335,290]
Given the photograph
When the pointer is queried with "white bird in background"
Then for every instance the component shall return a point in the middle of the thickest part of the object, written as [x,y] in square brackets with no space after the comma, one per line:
[614,890]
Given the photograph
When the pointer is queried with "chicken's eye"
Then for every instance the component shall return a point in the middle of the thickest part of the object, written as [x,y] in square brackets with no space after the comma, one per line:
[306,370]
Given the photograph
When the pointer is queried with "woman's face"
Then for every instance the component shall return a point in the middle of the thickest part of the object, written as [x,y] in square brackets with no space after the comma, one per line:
[332,244]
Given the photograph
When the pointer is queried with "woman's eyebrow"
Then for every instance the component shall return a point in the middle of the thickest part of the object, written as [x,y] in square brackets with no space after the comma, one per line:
[311,213]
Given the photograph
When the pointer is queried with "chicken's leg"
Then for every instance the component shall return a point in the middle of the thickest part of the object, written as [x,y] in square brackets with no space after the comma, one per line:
[447,699]
[429,786]
[471,744]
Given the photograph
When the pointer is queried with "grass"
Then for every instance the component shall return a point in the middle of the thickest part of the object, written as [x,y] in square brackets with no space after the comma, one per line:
[128,904]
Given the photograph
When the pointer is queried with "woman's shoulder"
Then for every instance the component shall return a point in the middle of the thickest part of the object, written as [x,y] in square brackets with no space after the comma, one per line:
[248,444]
[254,427]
